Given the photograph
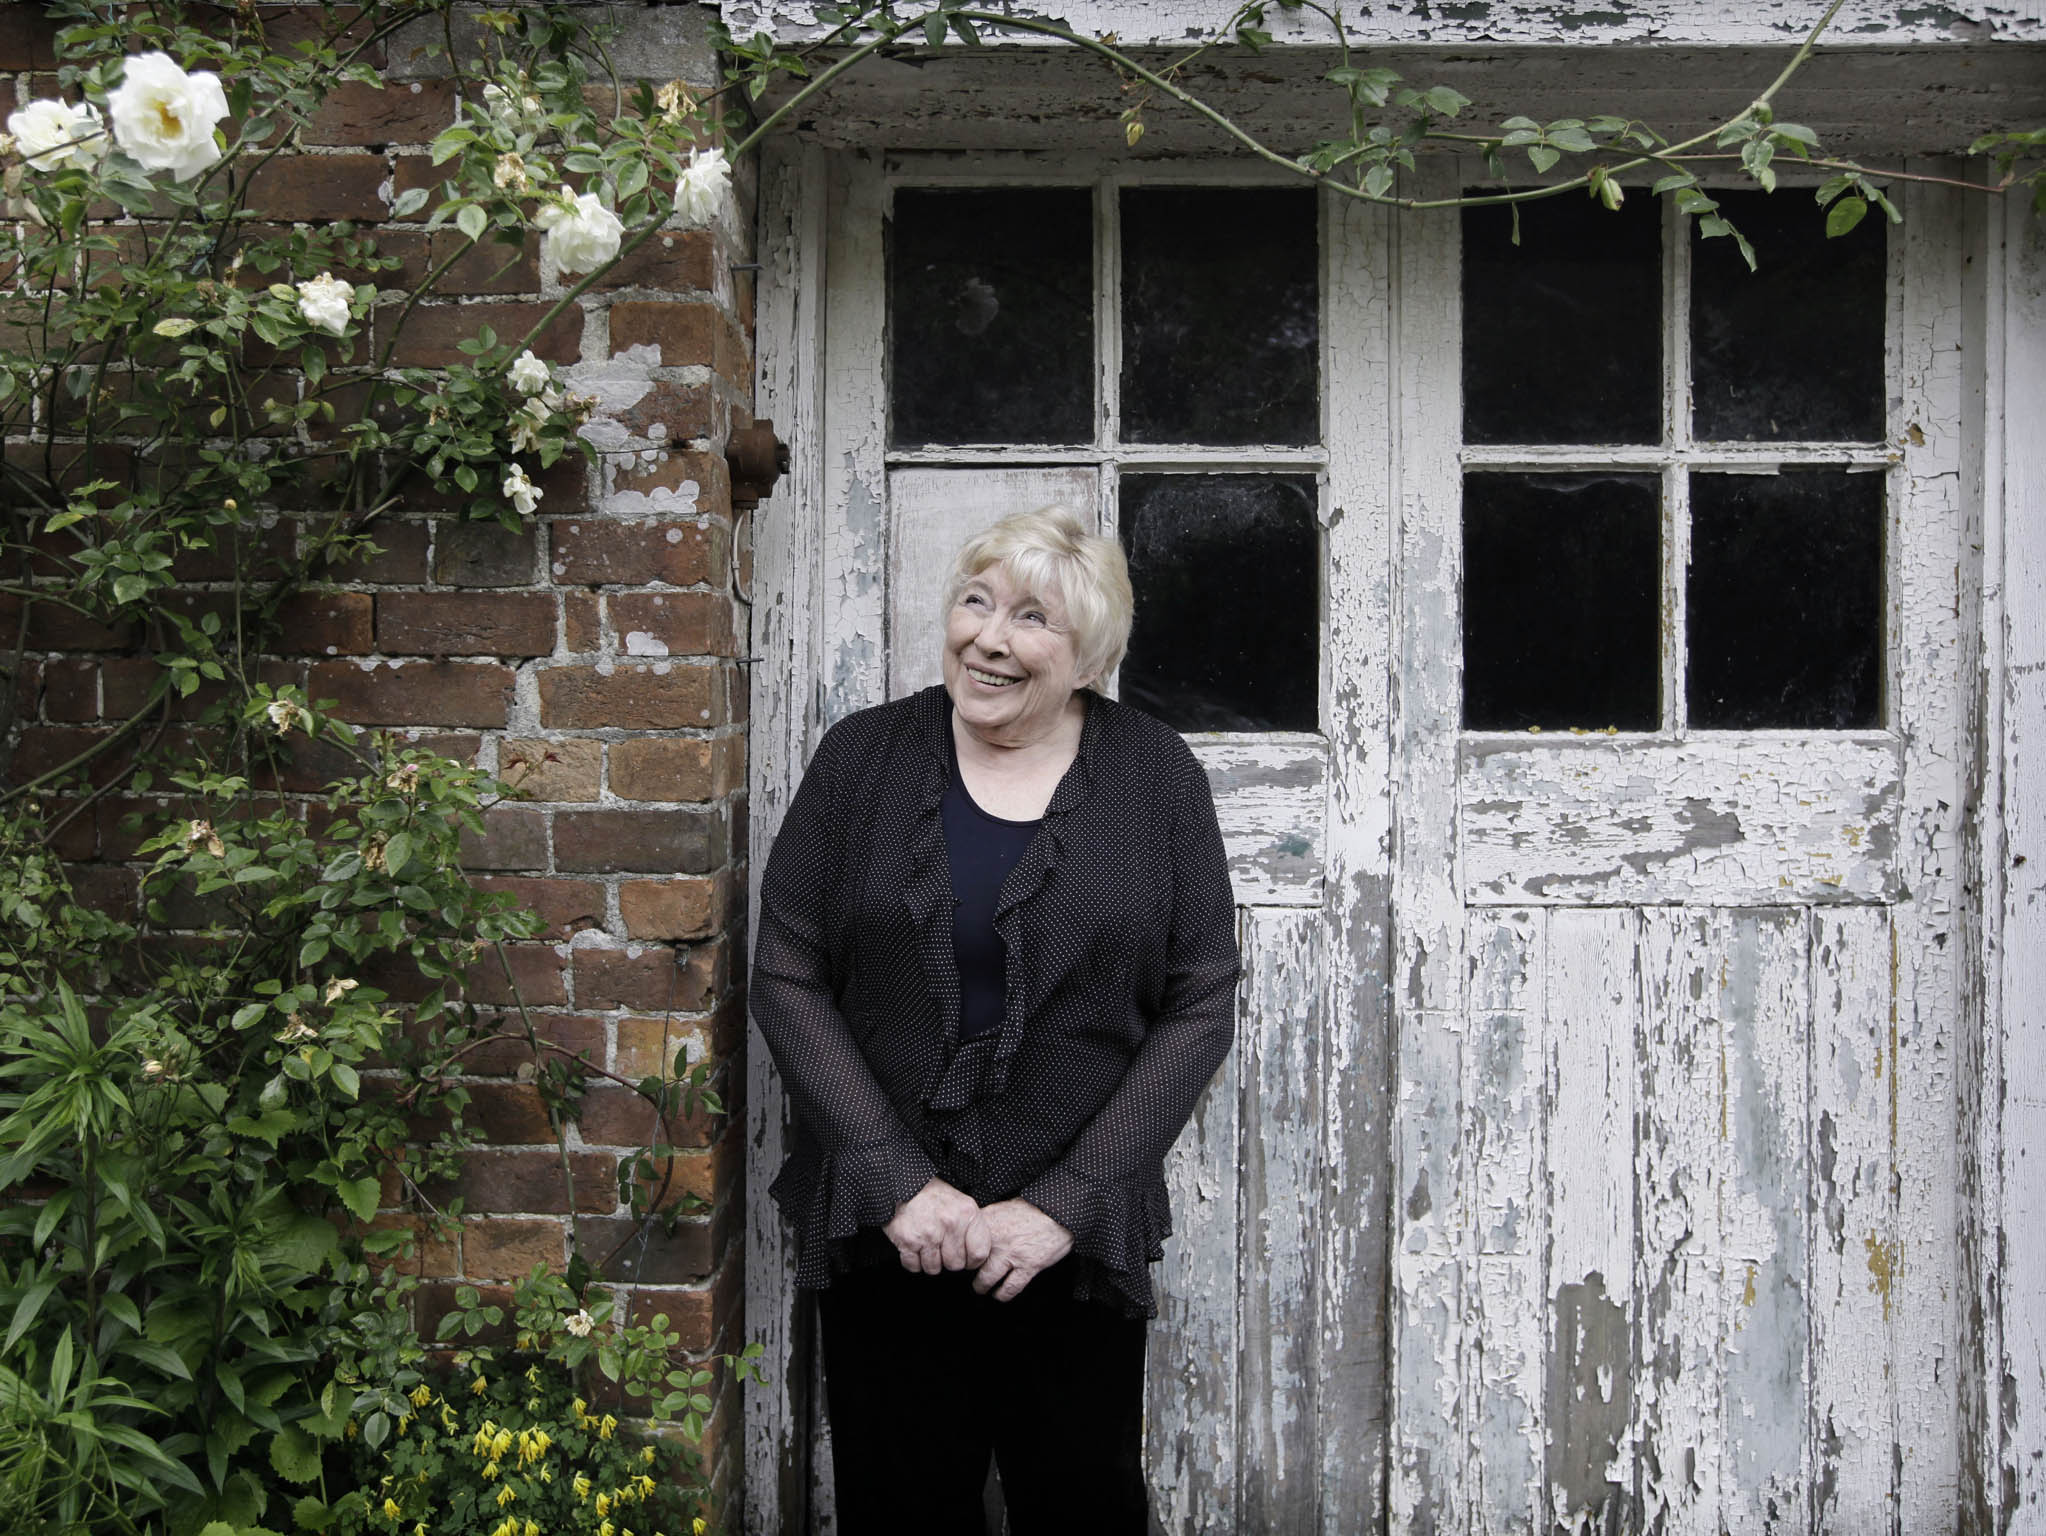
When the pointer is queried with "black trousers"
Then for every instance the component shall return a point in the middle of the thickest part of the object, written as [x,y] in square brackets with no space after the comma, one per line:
[924,1381]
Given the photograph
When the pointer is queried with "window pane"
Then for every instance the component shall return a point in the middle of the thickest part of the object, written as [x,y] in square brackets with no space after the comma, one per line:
[1786,601]
[1562,333]
[1226,570]
[1794,349]
[991,316]
[1221,316]
[1561,621]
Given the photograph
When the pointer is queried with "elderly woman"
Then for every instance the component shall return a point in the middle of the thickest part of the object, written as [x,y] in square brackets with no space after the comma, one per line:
[996,966]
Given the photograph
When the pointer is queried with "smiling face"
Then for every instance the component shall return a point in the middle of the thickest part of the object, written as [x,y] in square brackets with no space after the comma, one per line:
[1010,664]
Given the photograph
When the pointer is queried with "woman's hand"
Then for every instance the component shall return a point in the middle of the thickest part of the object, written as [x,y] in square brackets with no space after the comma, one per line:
[939,1228]
[1026,1242]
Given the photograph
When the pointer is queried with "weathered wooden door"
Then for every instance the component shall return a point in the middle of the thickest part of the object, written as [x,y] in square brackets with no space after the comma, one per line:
[998,333]
[1587,1158]
[1676,996]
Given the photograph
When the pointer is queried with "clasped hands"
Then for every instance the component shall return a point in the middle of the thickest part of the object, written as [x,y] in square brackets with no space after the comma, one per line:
[1010,1242]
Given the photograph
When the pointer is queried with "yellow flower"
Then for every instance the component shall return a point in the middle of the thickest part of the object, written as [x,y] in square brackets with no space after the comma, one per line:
[646,1455]
[645,1485]
[505,1495]
[603,1504]
[702,1525]
[532,1528]
[391,1510]
[604,1429]
[490,1472]
[404,1422]
[480,1385]
[607,1529]
[581,1486]
[419,1529]
[422,1395]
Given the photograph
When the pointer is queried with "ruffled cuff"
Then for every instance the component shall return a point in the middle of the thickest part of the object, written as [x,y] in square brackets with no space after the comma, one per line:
[1120,1226]
[843,1191]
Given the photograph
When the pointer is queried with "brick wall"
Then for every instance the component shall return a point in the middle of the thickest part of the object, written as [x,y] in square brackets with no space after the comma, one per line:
[592,658]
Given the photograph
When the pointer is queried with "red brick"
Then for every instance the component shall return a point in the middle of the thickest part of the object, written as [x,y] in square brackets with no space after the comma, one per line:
[533,1181]
[508,1114]
[432,336]
[404,113]
[41,749]
[640,1253]
[512,838]
[649,1047]
[670,412]
[651,978]
[567,906]
[683,623]
[259,554]
[27,39]
[630,697]
[674,260]
[328,623]
[417,693]
[400,562]
[671,768]
[670,482]
[71,690]
[318,189]
[465,624]
[106,888]
[590,553]
[686,907]
[505,1248]
[552,770]
[429,1258]
[506,1053]
[582,629]
[609,842]
[473,553]
[51,628]
[690,1313]
[682,334]
[537,969]
[346,25]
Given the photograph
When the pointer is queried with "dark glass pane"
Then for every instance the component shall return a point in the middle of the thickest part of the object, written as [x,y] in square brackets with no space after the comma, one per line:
[1794,349]
[1227,576]
[1221,316]
[1561,601]
[1562,333]
[1786,601]
[991,316]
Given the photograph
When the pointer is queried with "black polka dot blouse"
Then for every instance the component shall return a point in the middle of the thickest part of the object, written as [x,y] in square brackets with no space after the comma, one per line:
[1120,930]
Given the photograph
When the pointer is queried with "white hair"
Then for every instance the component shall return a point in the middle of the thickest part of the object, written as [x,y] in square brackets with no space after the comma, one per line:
[1050,553]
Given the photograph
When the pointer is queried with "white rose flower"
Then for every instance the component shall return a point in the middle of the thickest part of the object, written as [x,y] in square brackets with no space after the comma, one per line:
[515,112]
[526,423]
[705,182]
[528,375]
[54,134]
[581,232]
[164,118]
[580,1323]
[323,300]
[339,988]
[521,492]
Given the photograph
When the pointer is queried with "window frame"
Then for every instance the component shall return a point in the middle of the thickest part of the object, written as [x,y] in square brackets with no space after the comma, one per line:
[1109,457]
[1680,455]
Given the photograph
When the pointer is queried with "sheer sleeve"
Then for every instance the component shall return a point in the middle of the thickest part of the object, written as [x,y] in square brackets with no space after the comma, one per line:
[871,1163]
[1105,1188]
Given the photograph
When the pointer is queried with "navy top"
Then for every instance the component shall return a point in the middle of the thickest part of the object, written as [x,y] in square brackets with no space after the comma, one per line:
[981,849]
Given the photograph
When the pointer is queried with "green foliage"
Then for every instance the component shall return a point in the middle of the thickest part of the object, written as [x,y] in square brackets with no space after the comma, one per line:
[201,1149]
[493,1441]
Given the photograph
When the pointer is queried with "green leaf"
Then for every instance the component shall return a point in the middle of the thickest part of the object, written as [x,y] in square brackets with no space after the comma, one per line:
[1543,157]
[345,1078]
[934,29]
[128,588]
[409,202]
[472,221]
[62,519]
[1445,100]
[360,1196]
[248,1015]
[965,30]
[1844,215]
[25,1312]
[398,851]
[295,1457]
